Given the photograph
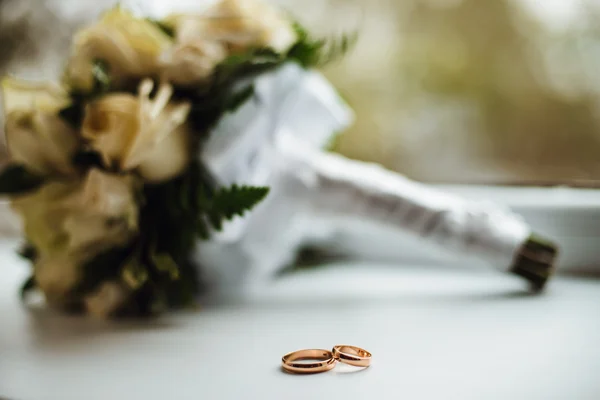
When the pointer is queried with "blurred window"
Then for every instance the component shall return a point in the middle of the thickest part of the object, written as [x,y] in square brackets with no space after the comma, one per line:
[448,91]
[471,91]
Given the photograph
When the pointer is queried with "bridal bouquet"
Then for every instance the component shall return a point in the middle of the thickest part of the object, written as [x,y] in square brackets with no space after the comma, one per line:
[105,169]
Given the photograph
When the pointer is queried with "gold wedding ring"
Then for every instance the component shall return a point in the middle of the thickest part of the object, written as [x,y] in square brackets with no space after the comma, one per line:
[327,361]
[352,355]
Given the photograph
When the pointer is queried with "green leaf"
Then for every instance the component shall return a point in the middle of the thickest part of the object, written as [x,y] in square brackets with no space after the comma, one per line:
[29,285]
[134,273]
[238,99]
[164,263]
[249,63]
[216,220]
[223,94]
[159,301]
[202,229]
[313,53]
[184,204]
[104,266]
[233,201]
[161,260]
[333,142]
[28,252]
[74,113]
[166,29]
[15,179]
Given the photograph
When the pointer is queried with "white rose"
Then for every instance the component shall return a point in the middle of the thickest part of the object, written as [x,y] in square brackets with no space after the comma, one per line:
[149,135]
[109,297]
[239,24]
[131,47]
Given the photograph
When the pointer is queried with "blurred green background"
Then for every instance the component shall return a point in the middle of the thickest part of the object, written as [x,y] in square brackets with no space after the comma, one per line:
[467,91]
[479,91]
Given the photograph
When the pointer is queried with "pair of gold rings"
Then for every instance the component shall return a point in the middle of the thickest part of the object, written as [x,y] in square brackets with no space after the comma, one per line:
[325,359]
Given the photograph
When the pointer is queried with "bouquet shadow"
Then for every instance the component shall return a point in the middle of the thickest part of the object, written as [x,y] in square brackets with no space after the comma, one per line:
[52,329]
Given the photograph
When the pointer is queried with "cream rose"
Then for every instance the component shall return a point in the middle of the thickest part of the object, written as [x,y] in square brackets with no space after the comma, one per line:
[70,223]
[57,276]
[80,218]
[239,24]
[18,95]
[192,62]
[148,135]
[36,137]
[107,299]
[102,213]
[43,143]
[131,47]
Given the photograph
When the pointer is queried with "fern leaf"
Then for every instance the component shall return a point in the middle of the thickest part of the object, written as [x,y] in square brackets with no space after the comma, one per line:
[311,53]
[237,200]
[226,203]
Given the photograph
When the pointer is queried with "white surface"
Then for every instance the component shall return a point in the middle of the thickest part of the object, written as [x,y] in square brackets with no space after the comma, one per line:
[434,334]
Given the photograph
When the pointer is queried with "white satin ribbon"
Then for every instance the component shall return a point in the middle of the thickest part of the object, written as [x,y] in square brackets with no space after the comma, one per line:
[276,140]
